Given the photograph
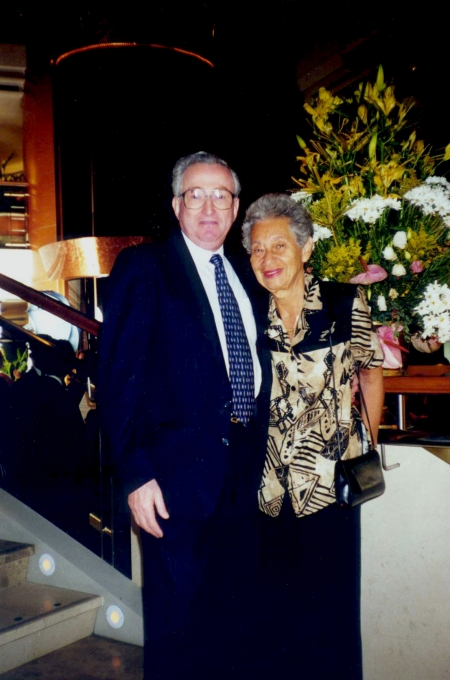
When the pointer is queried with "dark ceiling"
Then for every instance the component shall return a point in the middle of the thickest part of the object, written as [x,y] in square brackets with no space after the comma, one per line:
[268,56]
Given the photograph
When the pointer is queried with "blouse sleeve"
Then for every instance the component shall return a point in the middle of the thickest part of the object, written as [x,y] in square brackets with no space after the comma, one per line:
[365,345]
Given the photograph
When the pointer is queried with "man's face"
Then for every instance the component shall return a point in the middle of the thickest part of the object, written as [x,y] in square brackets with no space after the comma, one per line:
[207,226]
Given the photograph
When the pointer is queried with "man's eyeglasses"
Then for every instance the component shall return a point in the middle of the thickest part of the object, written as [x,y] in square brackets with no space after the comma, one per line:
[195,198]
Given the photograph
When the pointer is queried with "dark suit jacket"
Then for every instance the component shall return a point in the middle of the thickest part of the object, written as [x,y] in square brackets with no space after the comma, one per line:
[165,396]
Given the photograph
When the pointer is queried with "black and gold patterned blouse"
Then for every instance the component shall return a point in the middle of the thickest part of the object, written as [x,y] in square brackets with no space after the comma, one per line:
[302,444]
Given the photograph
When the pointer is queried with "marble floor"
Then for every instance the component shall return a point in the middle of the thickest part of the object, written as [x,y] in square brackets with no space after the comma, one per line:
[93,658]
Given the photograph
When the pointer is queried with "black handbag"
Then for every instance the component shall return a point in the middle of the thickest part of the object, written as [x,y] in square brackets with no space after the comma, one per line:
[356,480]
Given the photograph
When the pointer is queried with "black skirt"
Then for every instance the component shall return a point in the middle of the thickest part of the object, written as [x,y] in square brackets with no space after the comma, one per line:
[310,594]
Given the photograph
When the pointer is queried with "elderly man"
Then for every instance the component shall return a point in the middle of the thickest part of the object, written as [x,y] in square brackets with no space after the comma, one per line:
[180,376]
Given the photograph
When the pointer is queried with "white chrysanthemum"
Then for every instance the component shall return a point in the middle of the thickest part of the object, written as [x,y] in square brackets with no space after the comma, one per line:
[434,308]
[389,253]
[433,198]
[438,180]
[400,239]
[443,327]
[303,197]
[371,209]
[320,233]
[445,295]
[422,308]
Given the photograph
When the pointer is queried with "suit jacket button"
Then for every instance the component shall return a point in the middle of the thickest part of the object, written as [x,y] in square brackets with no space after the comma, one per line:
[225,442]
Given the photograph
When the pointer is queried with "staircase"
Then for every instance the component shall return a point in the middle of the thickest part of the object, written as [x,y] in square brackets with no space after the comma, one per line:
[37,619]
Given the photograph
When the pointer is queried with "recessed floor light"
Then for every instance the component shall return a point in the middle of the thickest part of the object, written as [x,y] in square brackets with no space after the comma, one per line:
[114,616]
[47,564]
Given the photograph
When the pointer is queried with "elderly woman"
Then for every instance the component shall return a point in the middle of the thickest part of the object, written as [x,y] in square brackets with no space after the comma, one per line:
[311,588]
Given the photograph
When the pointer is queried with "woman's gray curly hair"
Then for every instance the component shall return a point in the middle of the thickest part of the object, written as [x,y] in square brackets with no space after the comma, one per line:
[271,206]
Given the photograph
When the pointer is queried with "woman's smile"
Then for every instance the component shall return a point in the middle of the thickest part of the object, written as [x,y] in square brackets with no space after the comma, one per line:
[270,273]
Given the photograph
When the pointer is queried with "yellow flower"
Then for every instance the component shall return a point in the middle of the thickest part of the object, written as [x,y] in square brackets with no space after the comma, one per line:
[404,108]
[419,147]
[347,142]
[309,161]
[389,100]
[385,102]
[423,247]
[328,209]
[428,164]
[385,174]
[409,182]
[329,180]
[342,261]
[362,113]
[408,144]
[447,153]
[353,186]
[363,141]
[324,104]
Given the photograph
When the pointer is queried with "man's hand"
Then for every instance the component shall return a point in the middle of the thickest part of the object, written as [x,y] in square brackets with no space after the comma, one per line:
[143,503]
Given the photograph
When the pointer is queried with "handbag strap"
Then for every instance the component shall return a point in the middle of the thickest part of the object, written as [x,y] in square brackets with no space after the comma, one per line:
[363,401]
[364,407]
[337,299]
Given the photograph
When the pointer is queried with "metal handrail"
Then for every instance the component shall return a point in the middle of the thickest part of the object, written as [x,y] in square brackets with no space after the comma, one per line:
[62,311]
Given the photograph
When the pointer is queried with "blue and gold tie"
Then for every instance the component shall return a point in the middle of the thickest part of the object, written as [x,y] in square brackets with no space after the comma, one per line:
[239,354]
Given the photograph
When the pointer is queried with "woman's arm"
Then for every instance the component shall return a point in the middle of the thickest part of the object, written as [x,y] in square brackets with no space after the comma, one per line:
[372,390]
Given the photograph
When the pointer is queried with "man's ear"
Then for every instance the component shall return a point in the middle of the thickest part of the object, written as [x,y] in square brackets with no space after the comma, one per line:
[176,205]
[235,208]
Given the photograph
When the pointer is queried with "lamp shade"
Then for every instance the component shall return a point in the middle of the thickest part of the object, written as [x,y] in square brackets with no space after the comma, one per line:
[86,257]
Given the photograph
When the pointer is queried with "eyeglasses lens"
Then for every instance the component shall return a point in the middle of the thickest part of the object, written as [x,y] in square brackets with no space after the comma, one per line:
[195,198]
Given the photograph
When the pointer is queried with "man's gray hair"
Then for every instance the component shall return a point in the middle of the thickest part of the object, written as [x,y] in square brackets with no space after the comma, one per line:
[271,206]
[184,163]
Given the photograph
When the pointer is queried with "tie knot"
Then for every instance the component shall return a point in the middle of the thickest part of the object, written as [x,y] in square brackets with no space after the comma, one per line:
[216,260]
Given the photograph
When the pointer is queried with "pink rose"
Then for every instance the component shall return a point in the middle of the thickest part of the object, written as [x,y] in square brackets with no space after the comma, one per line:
[416,267]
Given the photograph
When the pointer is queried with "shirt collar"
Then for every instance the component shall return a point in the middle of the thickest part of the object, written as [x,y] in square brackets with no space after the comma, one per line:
[200,255]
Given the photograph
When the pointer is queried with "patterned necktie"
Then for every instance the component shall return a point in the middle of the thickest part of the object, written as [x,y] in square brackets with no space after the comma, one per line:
[239,355]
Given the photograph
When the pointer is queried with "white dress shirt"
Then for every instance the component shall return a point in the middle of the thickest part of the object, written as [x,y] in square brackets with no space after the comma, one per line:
[206,271]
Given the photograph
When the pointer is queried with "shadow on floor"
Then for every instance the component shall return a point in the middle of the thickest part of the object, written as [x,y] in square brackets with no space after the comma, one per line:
[93,658]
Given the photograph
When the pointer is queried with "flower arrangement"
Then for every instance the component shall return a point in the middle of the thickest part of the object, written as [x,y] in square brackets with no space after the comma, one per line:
[381,216]
[435,312]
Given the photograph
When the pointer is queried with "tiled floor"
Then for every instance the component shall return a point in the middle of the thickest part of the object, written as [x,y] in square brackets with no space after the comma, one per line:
[93,658]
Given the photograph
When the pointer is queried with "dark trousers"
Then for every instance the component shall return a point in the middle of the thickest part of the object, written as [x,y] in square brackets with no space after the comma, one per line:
[310,594]
[199,582]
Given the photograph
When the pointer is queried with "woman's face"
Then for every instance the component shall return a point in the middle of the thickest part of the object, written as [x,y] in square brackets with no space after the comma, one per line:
[276,258]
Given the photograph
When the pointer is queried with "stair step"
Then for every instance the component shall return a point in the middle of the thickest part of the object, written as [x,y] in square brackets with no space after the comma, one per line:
[37,619]
[14,558]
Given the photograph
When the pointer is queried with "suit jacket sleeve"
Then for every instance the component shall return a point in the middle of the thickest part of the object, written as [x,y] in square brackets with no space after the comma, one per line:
[123,371]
